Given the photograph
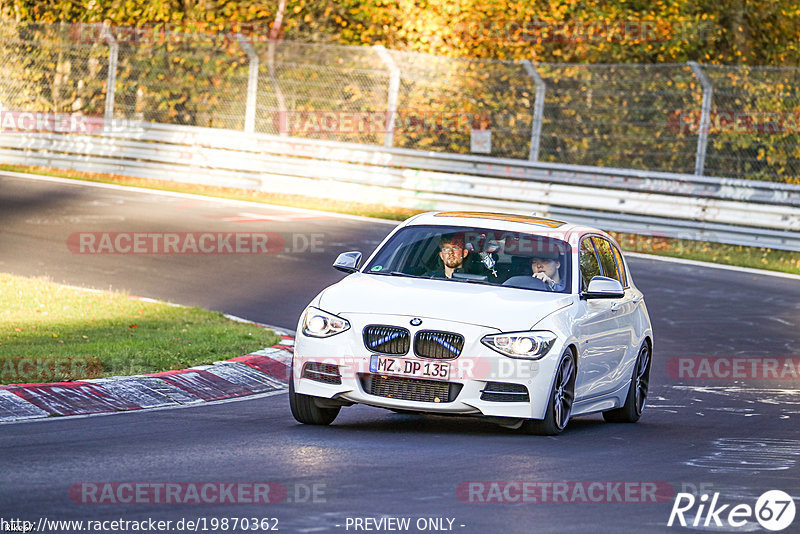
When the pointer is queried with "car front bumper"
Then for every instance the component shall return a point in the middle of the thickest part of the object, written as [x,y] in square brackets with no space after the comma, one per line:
[471,388]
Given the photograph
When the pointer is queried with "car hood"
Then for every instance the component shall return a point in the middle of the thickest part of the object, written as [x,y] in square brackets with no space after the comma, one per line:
[504,308]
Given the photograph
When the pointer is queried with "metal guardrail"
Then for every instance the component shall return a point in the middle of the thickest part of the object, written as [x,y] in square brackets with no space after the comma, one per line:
[743,212]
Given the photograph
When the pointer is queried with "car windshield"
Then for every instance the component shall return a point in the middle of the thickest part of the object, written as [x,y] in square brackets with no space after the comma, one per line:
[476,255]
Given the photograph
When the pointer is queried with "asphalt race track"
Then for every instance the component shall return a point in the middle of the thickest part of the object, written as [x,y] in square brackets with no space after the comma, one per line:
[735,437]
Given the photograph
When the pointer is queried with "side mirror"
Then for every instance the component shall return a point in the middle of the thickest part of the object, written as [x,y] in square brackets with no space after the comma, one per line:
[348,262]
[602,287]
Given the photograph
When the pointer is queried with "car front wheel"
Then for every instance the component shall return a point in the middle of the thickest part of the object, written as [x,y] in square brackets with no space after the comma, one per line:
[637,393]
[559,407]
[306,411]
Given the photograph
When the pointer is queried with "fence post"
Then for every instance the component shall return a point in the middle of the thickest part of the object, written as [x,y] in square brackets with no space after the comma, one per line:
[705,117]
[111,81]
[252,84]
[394,89]
[538,109]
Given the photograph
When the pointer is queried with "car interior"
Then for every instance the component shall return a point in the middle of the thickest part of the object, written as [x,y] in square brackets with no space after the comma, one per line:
[487,261]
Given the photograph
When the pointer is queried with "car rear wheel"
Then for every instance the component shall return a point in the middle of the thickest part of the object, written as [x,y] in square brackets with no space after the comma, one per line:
[306,411]
[631,411]
[559,407]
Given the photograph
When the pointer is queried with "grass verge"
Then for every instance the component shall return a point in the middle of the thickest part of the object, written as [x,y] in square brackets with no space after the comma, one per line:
[50,332]
[754,257]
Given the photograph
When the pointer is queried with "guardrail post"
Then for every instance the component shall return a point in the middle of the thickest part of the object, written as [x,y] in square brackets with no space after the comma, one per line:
[111,80]
[394,89]
[252,84]
[538,109]
[705,117]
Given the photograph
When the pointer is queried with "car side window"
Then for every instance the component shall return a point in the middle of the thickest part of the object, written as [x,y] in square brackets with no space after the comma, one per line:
[589,265]
[607,260]
[623,274]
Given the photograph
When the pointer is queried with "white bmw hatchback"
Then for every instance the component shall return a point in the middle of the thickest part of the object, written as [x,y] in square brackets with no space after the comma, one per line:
[521,320]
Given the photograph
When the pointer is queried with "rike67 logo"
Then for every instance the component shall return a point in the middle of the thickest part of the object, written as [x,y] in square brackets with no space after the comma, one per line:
[774,510]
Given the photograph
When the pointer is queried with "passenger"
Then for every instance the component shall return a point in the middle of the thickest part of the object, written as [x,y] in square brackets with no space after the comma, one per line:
[546,269]
[545,274]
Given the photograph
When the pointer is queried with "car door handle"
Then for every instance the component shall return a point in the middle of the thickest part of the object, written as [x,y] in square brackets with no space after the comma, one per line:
[637,298]
[615,306]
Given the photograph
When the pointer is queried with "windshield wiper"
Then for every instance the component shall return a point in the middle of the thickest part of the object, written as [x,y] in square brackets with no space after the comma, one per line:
[398,273]
[454,279]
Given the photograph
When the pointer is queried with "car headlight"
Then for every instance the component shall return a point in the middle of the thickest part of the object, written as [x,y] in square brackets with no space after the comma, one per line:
[318,323]
[523,345]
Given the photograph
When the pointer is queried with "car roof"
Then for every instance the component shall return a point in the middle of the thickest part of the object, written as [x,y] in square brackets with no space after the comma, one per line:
[504,221]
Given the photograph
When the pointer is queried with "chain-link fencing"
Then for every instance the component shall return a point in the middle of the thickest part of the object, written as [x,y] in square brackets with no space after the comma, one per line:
[42,70]
[192,83]
[619,116]
[754,127]
[650,117]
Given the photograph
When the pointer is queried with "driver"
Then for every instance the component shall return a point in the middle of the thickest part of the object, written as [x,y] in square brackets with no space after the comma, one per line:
[452,252]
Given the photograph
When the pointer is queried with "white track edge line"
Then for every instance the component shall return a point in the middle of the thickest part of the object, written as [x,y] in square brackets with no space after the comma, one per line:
[697,263]
[192,196]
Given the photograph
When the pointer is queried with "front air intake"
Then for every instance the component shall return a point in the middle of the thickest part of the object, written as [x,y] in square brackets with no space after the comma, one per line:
[505,392]
[410,389]
[326,373]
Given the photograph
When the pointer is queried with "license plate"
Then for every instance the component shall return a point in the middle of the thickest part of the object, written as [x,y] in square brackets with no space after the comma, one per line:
[387,365]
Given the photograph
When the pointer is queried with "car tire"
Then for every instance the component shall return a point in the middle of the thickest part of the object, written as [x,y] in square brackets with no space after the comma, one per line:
[559,406]
[306,411]
[631,411]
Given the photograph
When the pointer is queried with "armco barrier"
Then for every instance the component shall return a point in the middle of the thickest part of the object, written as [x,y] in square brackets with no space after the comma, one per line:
[736,211]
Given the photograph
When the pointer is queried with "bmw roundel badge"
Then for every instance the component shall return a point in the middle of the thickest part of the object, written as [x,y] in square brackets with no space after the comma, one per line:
[416,321]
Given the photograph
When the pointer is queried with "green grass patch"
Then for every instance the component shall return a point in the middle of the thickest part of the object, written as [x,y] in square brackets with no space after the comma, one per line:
[755,257]
[50,332]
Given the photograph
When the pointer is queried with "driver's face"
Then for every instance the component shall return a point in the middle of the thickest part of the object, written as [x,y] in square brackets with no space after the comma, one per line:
[453,255]
[544,265]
